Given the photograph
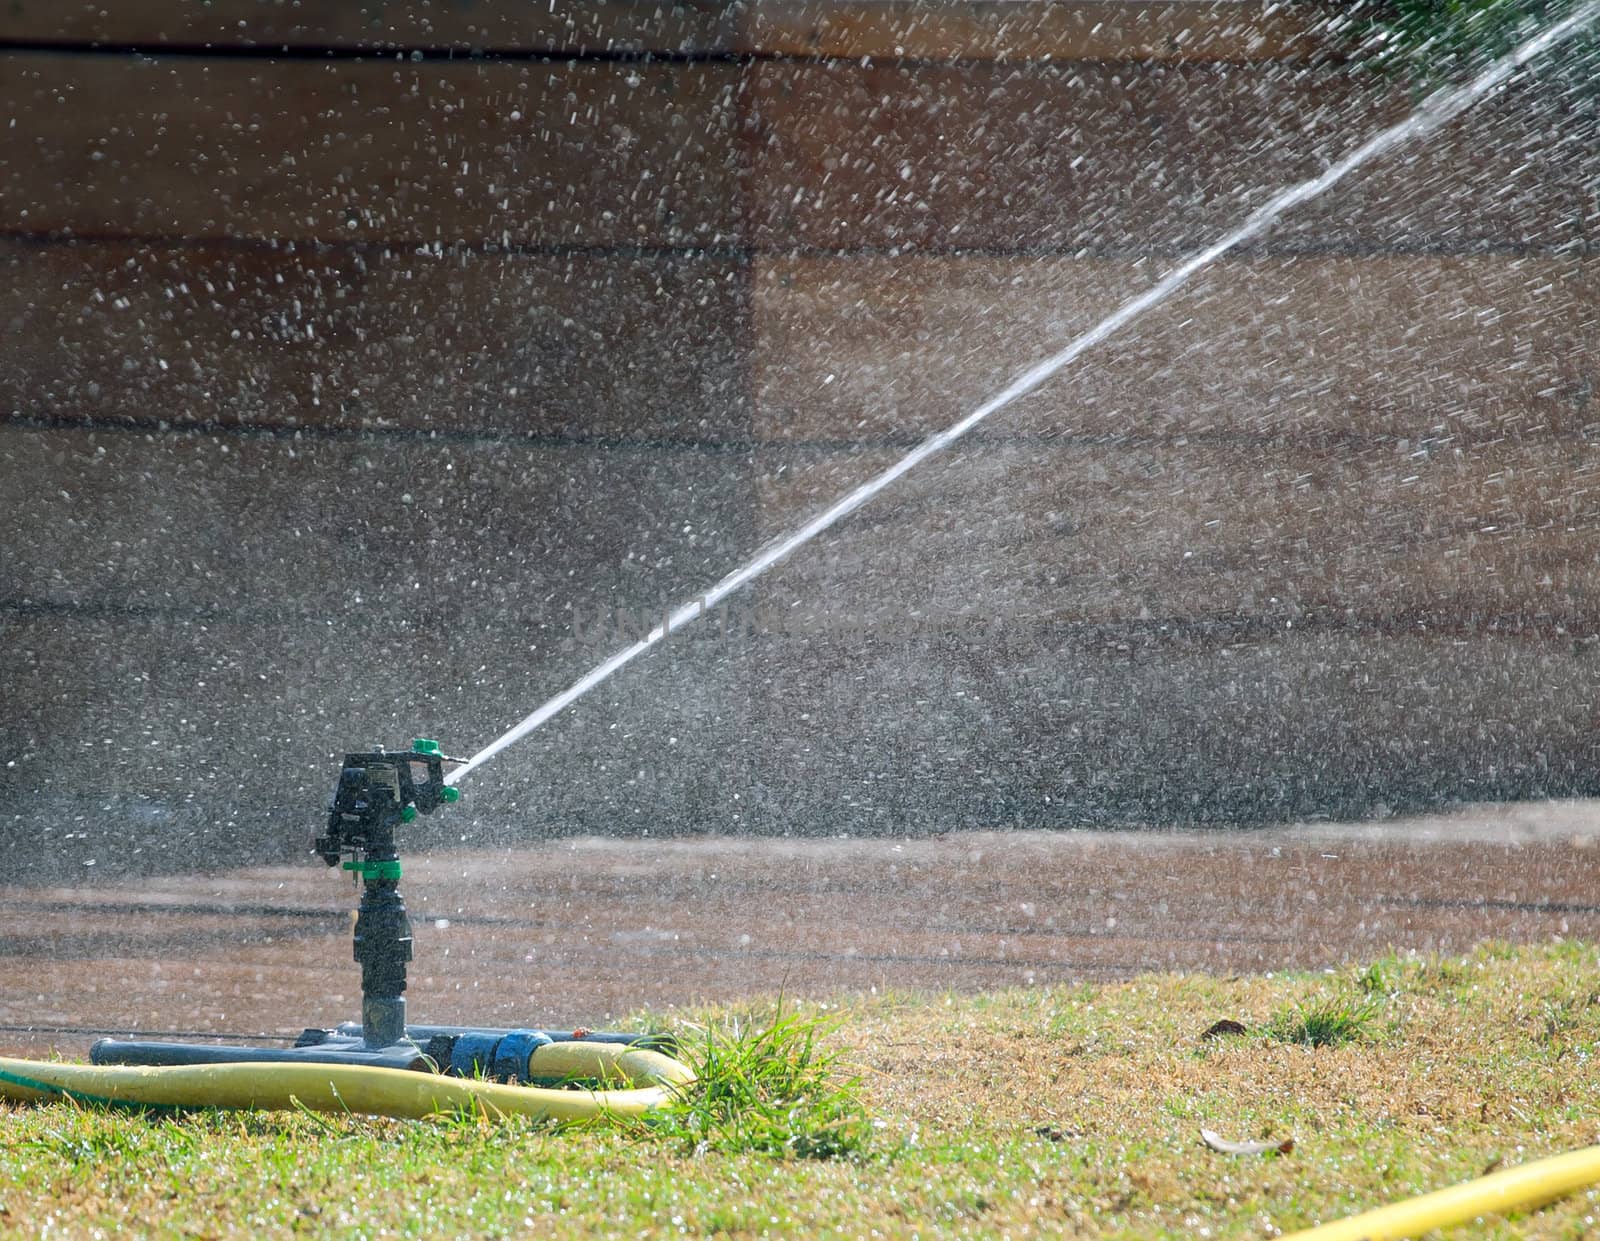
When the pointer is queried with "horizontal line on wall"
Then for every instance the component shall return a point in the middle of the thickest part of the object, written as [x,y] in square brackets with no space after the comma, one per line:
[1427,247]
[400,249]
[464,53]
[990,630]
[318,432]
[167,613]
[749,446]
[385,52]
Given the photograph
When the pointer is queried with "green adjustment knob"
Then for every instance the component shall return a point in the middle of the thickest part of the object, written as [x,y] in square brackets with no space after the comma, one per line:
[423,746]
[449,793]
[407,813]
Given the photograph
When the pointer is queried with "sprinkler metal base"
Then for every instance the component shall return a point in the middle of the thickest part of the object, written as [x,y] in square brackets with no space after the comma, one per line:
[459,1051]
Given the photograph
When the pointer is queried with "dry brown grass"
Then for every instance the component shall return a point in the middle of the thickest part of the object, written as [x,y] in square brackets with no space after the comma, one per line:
[1044,1112]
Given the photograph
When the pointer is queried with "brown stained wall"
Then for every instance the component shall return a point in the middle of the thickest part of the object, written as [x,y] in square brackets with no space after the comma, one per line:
[348,394]
[1132,30]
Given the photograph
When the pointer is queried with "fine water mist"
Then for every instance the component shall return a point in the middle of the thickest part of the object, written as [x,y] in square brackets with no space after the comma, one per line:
[1305,537]
[1437,110]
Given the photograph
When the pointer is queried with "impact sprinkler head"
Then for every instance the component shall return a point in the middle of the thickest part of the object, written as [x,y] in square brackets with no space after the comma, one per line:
[377,791]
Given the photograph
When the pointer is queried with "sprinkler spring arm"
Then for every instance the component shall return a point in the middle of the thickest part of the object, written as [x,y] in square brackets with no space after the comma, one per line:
[376,793]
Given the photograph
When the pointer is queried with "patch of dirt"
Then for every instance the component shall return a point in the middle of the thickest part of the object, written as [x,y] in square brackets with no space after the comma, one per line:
[585,931]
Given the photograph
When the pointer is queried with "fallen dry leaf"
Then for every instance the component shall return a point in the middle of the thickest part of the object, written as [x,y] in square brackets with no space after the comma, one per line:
[1219,1143]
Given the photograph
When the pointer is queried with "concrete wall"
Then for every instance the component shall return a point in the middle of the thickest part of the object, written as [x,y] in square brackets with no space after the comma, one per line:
[375,370]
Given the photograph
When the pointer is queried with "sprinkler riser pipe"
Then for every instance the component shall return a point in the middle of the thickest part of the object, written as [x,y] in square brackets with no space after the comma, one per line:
[383,948]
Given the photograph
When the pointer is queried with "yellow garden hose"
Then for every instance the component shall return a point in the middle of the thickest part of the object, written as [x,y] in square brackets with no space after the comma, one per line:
[1514,1189]
[652,1080]
[649,1079]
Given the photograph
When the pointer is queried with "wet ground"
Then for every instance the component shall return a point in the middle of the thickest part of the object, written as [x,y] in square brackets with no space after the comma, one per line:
[582,931]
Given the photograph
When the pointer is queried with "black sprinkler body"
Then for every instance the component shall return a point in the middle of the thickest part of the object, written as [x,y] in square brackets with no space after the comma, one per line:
[378,792]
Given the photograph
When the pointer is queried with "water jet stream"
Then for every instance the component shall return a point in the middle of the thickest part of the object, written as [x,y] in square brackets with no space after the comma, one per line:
[1434,112]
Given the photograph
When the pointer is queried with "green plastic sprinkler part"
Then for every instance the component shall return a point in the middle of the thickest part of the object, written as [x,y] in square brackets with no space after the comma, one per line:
[423,746]
[407,813]
[376,870]
[449,793]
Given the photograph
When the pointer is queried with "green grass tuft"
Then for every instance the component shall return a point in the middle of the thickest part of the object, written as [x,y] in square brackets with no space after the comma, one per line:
[1375,980]
[768,1087]
[1330,1022]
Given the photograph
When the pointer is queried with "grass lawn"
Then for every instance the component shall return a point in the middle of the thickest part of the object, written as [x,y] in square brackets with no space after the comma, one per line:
[1069,1111]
